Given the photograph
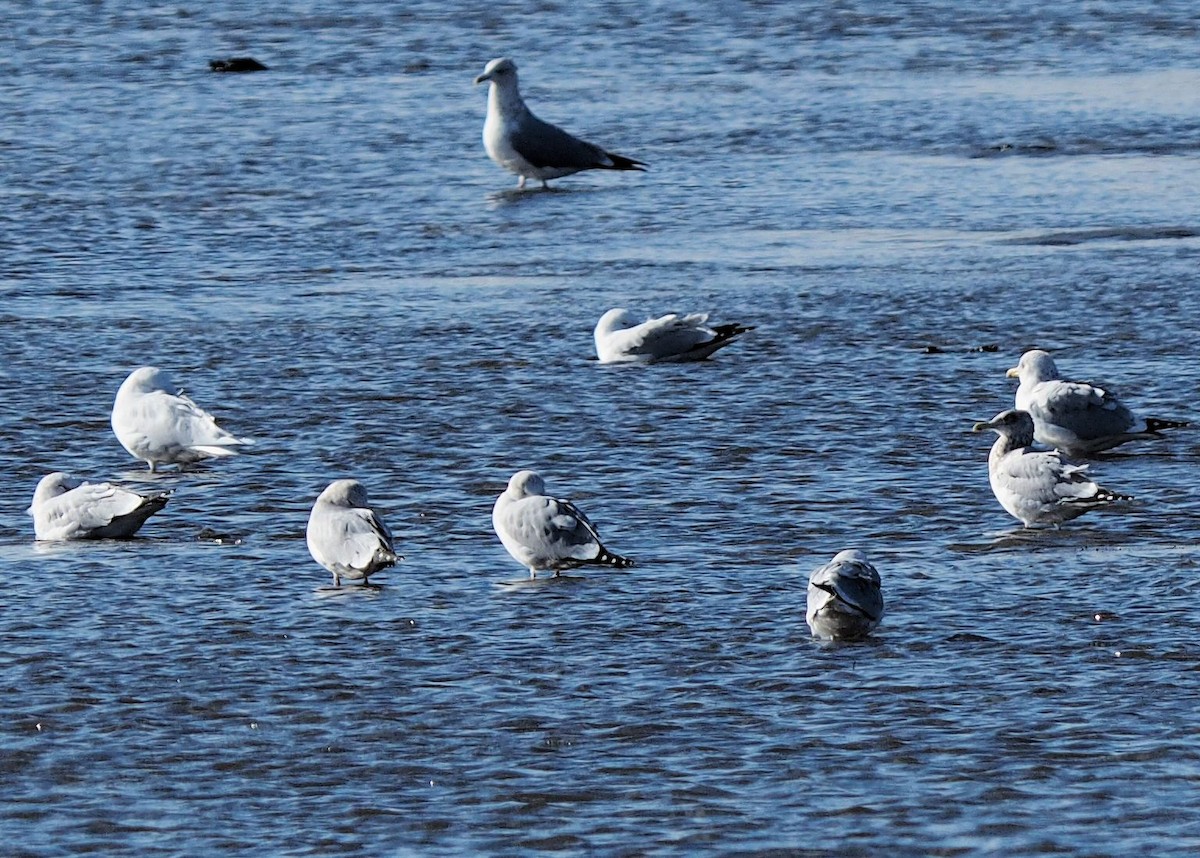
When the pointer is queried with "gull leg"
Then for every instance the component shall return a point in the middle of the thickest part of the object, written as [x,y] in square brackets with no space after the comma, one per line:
[337,580]
[153,469]
[532,573]
[545,186]
[520,183]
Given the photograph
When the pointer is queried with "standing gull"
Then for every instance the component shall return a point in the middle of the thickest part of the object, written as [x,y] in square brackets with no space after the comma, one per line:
[346,536]
[845,601]
[542,532]
[160,427]
[1037,487]
[65,508]
[669,338]
[1073,416]
[523,144]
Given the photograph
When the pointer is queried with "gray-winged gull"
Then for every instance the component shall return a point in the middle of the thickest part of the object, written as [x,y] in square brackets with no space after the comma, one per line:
[1075,417]
[162,427]
[1037,487]
[65,508]
[669,338]
[346,536]
[845,600]
[542,532]
[523,144]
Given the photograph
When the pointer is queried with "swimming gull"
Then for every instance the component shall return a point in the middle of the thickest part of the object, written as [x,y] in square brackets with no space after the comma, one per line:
[346,536]
[845,600]
[160,427]
[669,338]
[542,532]
[1037,487]
[1075,417]
[523,144]
[65,508]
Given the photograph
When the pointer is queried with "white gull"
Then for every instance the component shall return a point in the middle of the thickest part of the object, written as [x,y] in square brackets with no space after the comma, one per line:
[523,144]
[160,426]
[65,508]
[542,532]
[1037,486]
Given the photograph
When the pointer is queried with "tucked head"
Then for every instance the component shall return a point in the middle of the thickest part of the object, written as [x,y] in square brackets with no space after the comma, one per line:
[523,484]
[615,319]
[1034,366]
[850,555]
[1014,424]
[347,493]
[53,485]
[498,71]
[148,378]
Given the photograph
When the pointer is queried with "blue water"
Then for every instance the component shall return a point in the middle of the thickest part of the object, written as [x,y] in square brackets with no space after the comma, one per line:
[901,200]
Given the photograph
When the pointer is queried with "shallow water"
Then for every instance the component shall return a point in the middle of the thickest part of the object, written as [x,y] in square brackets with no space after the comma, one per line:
[900,202]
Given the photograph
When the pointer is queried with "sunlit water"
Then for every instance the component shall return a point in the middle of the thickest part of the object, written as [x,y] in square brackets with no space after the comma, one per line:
[901,201]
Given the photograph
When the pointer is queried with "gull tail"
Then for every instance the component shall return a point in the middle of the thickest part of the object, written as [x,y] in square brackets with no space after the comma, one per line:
[1154,425]
[728,332]
[620,162]
[616,561]
[1103,496]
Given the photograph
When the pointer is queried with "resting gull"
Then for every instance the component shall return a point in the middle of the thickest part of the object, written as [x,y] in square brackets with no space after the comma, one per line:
[160,427]
[1075,417]
[1037,487]
[523,144]
[669,338]
[845,601]
[542,532]
[65,508]
[346,536]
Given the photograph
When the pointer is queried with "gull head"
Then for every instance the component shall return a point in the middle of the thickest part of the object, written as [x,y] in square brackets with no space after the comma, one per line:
[346,493]
[1013,424]
[851,555]
[615,319]
[1035,366]
[500,71]
[51,486]
[525,484]
[147,379]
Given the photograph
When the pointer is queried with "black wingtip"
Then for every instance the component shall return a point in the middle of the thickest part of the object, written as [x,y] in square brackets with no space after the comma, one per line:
[620,162]
[1154,424]
[728,332]
[616,561]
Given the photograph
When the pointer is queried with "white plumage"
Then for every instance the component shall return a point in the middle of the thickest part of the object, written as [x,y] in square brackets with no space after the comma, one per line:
[1037,487]
[160,426]
[669,338]
[542,532]
[523,144]
[1073,416]
[65,508]
[346,536]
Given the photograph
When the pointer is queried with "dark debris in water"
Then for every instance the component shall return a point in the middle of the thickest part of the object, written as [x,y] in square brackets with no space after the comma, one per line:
[988,348]
[207,534]
[236,64]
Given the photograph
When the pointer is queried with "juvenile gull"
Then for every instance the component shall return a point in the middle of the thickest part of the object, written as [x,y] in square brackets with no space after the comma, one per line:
[845,601]
[346,536]
[669,338]
[542,532]
[65,508]
[1073,416]
[523,144]
[160,427]
[1037,487]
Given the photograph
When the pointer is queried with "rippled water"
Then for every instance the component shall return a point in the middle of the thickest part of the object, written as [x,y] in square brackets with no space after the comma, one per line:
[901,201]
